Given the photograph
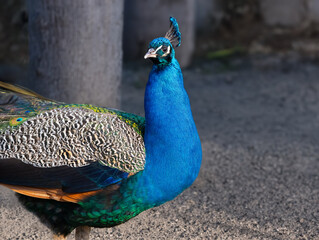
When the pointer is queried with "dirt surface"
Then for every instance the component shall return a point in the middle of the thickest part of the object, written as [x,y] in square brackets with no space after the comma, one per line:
[258,120]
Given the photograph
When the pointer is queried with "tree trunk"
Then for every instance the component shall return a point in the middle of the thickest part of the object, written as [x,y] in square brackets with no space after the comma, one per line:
[76,50]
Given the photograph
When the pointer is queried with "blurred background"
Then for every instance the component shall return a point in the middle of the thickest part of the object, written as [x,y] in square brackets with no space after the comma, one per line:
[212,29]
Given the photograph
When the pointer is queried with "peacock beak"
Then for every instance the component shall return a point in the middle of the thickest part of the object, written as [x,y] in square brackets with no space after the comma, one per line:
[151,53]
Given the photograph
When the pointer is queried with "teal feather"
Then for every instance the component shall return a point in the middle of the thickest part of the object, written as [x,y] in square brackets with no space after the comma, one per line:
[161,157]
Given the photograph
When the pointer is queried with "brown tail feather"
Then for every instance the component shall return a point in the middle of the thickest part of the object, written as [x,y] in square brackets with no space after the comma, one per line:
[21,90]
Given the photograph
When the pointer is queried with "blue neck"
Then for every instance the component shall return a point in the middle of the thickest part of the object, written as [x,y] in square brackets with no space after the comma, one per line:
[173,148]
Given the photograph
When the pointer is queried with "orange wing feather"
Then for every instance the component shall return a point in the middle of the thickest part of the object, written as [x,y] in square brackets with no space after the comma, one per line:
[56,193]
[51,193]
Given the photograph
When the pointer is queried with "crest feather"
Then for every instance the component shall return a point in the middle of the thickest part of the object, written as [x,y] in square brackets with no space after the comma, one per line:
[173,34]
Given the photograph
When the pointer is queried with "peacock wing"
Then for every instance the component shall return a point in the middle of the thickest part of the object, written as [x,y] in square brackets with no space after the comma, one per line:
[66,148]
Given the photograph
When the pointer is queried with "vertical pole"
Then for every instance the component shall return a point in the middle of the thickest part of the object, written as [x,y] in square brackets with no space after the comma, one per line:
[76,50]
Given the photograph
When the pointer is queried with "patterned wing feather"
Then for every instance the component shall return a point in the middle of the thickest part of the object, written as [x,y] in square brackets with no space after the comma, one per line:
[75,148]
[75,137]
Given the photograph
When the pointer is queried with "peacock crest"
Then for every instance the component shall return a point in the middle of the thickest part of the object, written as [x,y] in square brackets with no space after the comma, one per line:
[173,34]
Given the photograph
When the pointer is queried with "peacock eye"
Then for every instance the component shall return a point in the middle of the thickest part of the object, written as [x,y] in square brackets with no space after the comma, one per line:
[164,48]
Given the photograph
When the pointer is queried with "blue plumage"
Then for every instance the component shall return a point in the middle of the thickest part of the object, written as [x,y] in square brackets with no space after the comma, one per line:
[173,148]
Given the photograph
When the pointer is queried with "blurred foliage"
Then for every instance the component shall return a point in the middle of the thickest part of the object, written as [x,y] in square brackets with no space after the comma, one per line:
[225,53]
[239,8]
[240,25]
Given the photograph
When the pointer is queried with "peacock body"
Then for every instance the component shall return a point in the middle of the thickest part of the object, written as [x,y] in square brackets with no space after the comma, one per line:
[80,165]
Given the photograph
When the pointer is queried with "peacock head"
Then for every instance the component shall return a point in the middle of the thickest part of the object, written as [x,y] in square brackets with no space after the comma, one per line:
[161,50]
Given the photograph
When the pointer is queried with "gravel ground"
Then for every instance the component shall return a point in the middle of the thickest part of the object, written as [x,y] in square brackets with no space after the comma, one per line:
[258,120]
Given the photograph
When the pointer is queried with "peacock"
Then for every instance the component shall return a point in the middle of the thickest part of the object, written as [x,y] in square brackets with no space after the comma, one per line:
[77,166]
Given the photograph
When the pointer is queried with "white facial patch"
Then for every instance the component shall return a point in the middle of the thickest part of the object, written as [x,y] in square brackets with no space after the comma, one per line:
[167,52]
[158,48]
